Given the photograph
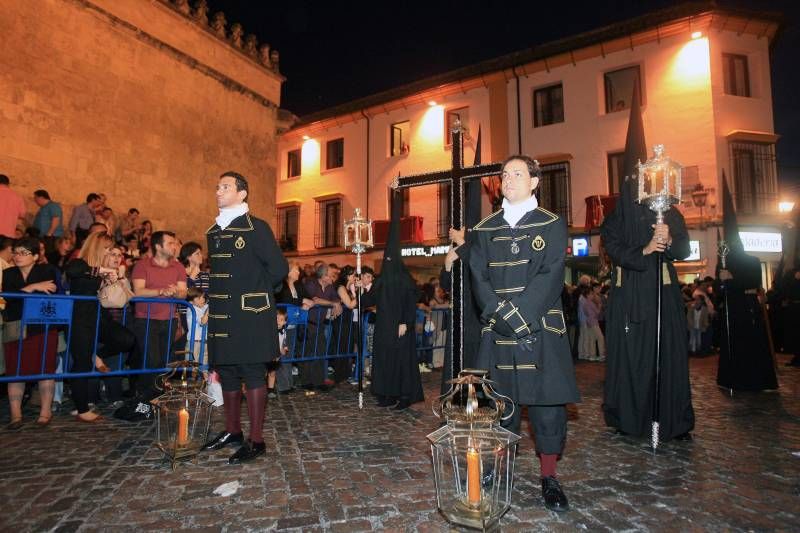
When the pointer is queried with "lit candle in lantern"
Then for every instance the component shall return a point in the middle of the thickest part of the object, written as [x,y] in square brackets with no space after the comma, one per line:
[473,477]
[183,427]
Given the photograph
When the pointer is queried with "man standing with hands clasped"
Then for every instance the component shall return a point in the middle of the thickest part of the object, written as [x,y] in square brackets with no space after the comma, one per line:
[517,264]
[247,266]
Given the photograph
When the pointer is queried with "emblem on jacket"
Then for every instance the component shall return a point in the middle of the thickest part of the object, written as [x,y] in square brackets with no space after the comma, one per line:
[538,243]
[239,244]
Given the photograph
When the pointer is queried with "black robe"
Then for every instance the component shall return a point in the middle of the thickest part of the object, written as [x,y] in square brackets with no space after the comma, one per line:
[749,364]
[631,327]
[471,319]
[394,359]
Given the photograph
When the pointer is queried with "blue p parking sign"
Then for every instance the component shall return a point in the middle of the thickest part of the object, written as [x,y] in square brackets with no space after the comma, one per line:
[47,310]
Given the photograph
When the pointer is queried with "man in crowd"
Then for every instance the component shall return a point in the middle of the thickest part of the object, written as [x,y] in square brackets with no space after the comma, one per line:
[12,208]
[49,218]
[83,217]
[247,267]
[155,325]
[320,289]
[128,225]
[517,264]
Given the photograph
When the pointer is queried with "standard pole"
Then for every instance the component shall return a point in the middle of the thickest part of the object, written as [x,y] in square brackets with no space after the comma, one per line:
[654,437]
[359,340]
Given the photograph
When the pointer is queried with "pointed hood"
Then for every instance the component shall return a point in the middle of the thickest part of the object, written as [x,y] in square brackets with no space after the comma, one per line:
[635,145]
[635,152]
[729,222]
[392,250]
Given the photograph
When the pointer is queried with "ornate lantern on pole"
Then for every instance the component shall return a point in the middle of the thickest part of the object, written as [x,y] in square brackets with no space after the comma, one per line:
[183,412]
[659,189]
[358,238]
[473,456]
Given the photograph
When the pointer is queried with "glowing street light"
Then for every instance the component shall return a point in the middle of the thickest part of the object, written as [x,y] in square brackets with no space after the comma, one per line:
[785,206]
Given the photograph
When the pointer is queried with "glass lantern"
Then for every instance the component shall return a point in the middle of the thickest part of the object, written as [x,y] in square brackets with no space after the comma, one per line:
[183,412]
[659,182]
[473,456]
[358,233]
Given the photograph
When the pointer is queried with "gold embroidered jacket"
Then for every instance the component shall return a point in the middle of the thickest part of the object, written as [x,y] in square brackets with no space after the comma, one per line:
[246,266]
[518,277]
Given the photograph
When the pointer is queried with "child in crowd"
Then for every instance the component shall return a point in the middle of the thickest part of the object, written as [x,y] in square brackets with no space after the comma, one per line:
[698,318]
[197,298]
[276,367]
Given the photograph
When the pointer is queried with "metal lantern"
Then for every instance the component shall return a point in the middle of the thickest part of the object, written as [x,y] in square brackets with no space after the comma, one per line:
[358,233]
[473,456]
[659,182]
[183,412]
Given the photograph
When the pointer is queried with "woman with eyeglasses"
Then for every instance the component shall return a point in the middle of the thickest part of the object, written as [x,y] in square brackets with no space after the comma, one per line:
[38,353]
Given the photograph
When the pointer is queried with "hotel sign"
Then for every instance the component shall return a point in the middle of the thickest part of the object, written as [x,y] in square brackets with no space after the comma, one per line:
[424,251]
[761,241]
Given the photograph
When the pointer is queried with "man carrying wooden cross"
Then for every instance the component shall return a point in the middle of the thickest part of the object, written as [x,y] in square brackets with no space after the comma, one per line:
[517,264]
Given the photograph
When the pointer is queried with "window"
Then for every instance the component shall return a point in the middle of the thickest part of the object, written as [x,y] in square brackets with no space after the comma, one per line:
[405,202]
[616,171]
[735,72]
[329,224]
[288,217]
[619,88]
[334,151]
[399,137]
[553,191]
[462,115]
[293,163]
[444,222]
[755,184]
[548,105]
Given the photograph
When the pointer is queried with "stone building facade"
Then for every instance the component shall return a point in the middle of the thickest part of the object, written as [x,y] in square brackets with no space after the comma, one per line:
[145,101]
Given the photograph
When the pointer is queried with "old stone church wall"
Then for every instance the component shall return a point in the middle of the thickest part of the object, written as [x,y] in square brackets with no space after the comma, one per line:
[138,100]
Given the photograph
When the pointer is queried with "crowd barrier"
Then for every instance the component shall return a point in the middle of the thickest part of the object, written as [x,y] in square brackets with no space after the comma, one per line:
[312,335]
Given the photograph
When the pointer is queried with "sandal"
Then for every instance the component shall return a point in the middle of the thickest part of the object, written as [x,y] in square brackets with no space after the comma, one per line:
[14,424]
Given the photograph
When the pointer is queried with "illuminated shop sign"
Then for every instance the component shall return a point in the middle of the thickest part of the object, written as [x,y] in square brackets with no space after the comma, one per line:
[761,241]
[580,246]
[424,251]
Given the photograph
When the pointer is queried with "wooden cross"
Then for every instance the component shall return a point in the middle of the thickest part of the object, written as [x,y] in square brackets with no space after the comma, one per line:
[455,176]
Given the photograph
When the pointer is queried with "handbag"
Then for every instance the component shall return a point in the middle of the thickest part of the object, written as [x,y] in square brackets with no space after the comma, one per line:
[115,295]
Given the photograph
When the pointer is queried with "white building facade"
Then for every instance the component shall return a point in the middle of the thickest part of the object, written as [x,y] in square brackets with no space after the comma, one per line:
[705,83]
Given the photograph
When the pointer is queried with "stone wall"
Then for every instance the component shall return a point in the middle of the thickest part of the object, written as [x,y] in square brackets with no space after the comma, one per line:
[137,99]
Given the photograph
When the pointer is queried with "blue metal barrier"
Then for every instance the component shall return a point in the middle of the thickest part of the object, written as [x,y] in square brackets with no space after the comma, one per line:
[312,335]
[42,312]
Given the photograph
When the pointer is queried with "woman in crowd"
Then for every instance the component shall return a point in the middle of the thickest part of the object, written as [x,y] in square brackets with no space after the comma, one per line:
[144,234]
[59,257]
[191,257]
[439,304]
[86,275]
[28,276]
[344,331]
[292,291]
[592,344]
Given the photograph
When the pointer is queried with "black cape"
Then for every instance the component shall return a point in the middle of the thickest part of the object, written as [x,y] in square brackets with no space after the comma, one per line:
[631,325]
[746,364]
[471,318]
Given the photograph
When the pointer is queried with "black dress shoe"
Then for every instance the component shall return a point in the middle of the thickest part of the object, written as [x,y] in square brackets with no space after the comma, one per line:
[249,451]
[223,439]
[684,436]
[554,498]
[402,405]
[323,388]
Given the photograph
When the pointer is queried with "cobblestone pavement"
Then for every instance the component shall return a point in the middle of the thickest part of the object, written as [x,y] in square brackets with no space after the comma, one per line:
[332,467]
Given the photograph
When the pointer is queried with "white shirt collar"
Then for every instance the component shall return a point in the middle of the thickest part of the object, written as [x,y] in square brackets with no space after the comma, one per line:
[227,214]
[513,213]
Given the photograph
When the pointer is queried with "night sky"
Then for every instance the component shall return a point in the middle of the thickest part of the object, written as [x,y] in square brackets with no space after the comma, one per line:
[332,52]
